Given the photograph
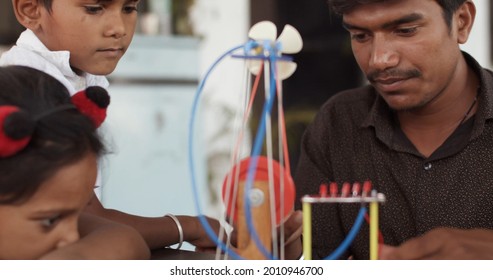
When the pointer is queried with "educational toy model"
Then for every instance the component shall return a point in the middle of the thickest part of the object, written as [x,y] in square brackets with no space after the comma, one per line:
[258,191]
[348,194]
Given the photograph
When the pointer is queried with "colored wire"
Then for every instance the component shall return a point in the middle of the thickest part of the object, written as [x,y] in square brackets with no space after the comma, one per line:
[257,147]
[247,112]
[270,168]
[238,128]
[284,161]
[282,125]
[236,151]
[350,236]
[205,224]
[253,163]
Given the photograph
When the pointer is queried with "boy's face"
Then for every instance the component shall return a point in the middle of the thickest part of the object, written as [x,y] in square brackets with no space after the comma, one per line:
[48,220]
[96,32]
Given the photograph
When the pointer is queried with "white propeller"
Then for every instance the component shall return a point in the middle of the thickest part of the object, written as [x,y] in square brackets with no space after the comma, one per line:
[289,42]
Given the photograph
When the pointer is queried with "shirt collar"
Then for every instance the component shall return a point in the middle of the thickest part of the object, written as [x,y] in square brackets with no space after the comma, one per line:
[381,118]
[485,95]
[60,59]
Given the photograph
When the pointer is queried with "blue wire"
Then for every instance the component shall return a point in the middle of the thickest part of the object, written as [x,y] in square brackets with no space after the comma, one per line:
[205,224]
[350,236]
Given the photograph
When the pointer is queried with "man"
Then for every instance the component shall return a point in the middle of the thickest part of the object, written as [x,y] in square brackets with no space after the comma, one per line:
[421,132]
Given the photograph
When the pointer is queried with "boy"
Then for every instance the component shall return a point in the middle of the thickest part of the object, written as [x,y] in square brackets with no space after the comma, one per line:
[78,42]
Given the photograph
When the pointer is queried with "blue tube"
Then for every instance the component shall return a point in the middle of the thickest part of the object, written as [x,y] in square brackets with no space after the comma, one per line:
[350,236]
[208,229]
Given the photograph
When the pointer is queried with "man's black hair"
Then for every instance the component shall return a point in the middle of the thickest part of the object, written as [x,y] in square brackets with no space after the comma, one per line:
[341,7]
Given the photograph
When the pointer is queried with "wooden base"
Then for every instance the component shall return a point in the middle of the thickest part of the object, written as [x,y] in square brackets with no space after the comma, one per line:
[261,217]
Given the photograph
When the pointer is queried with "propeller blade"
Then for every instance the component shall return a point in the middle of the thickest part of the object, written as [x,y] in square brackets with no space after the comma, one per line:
[254,66]
[290,39]
[285,69]
[264,30]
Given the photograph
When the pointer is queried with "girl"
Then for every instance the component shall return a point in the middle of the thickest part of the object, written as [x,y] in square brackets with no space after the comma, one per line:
[81,57]
[48,166]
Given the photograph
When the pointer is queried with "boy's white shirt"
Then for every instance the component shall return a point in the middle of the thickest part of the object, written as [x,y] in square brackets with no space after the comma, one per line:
[31,52]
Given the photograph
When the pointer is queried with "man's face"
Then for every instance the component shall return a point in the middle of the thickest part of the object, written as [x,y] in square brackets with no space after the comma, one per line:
[405,49]
[97,33]
[48,220]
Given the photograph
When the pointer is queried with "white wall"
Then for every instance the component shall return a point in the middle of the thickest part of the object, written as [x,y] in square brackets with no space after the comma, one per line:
[479,43]
[223,24]
[220,25]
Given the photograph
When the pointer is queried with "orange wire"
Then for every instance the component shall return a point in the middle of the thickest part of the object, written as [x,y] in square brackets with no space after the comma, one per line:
[245,117]
[287,166]
[249,108]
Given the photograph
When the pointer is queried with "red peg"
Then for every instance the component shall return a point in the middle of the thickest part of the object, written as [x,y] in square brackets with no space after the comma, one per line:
[346,187]
[356,188]
[333,189]
[323,190]
[367,187]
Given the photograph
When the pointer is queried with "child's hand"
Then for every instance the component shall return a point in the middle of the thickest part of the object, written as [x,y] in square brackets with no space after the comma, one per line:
[202,241]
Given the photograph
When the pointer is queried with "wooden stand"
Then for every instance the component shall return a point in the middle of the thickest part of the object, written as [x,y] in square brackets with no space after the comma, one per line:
[261,216]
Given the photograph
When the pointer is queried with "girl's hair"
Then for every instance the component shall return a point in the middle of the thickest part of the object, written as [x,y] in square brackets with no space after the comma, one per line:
[58,139]
[341,7]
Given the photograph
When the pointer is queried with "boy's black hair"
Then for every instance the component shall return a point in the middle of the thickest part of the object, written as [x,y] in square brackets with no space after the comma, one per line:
[343,6]
[46,3]
[59,139]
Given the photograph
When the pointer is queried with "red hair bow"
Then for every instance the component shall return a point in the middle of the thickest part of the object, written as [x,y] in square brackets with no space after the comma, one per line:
[15,131]
[93,103]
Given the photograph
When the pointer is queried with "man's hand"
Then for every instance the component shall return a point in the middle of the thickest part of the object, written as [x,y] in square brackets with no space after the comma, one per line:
[293,228]
[444,243]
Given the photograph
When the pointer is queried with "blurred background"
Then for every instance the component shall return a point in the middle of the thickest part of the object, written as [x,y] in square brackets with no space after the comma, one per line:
[154,85]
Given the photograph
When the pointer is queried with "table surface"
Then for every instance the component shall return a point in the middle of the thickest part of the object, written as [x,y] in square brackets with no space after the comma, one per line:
[172,254]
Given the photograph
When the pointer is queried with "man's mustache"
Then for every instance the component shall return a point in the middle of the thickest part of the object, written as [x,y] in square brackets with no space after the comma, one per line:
[393,74]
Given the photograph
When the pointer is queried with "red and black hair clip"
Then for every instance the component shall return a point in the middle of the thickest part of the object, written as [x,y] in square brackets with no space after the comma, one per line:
[93,103]
[15,131]
[17,125]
